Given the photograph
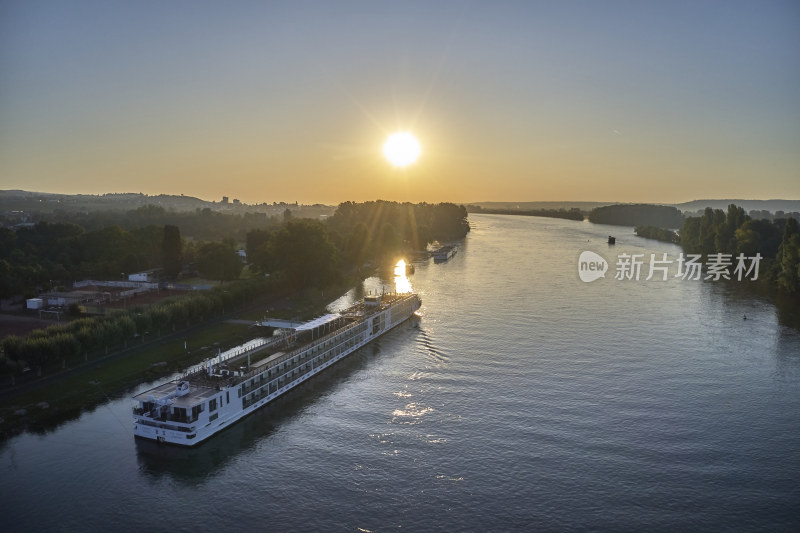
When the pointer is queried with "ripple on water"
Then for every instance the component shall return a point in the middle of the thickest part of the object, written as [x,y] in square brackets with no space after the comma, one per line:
[526,400]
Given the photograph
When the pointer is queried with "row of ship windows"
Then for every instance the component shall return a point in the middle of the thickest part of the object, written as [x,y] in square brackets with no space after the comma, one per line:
[213,403]
[267,389]
[355,335]
[292,363]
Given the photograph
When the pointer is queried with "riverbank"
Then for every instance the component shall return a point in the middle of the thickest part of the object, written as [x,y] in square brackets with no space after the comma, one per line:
[44,404]
[571,214]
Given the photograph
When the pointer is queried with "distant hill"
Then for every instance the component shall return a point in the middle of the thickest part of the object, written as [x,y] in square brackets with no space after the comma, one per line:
[48,202]
[786,206]
[43,202]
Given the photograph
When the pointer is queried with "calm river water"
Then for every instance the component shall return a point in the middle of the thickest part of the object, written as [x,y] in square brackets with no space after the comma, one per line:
[526,400]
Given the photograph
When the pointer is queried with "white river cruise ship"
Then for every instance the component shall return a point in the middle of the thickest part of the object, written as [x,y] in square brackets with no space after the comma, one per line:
[191,409]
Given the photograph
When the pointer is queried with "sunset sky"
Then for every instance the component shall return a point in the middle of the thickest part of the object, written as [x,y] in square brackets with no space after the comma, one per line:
[510,101]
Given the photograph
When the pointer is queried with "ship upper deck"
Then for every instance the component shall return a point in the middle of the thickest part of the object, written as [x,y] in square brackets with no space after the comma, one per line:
[196,395]
[223,372]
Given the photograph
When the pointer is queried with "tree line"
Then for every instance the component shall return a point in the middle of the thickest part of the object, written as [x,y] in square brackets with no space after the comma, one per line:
[201,224]
[306,252]
[297,253]
[49,255]
[735,232]
[660,216]
[659,234]
[111,245]
[75,341]
[571,214]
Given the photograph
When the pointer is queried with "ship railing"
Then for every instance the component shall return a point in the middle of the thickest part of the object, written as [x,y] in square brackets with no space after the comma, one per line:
[161,425]
[289,355]
[297,351]
[396,297]
[167,417]
[202,370]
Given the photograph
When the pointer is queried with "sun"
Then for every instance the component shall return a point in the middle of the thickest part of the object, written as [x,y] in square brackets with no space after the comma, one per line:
[401,149]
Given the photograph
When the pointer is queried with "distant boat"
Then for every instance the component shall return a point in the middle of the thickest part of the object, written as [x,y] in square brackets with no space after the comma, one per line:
[444,253]
[612,240]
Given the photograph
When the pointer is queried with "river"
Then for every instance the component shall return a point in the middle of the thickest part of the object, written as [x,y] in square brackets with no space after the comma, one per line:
[526,400]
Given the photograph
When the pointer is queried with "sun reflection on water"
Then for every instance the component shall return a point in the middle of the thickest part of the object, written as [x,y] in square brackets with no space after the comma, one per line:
[401,283]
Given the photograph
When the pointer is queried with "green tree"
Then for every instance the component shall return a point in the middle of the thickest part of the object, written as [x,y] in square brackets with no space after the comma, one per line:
[357,247]
[8,282]
[660,234]
[9,368]
[148,245]
[709,223]
[758,236]
[218,261]
[690,235]
[725,238]
[8,240]
[789,258]
[172,251]
[11,361]
[660,216]
[258,250]
[304,253]
[390,243]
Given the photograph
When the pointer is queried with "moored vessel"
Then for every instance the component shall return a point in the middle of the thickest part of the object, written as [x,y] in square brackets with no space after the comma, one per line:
[444,253]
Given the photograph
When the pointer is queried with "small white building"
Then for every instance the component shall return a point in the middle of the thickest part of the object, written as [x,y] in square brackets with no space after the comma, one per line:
[34,303]
[147,276]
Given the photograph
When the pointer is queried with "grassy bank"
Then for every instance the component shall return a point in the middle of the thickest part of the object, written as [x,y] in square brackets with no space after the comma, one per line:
[73,391]
[69,395]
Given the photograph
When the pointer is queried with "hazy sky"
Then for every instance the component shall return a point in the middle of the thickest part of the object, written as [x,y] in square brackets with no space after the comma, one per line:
[292,101]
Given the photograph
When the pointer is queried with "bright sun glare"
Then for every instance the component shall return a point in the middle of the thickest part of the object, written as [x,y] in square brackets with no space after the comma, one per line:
[401,283]
[401,149]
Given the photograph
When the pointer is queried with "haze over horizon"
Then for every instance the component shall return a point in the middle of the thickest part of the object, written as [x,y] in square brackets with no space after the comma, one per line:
[292,101]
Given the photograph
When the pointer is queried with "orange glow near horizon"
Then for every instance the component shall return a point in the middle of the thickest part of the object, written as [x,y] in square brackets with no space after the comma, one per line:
[496,104]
